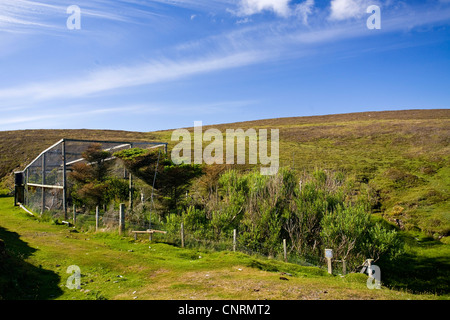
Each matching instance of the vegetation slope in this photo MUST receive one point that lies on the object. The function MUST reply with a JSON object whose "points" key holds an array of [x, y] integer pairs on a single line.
{"points": [[401, 156]]}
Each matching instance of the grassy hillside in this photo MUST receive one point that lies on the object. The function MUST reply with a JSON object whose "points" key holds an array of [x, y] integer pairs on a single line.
{"points": [[402, 157], [36, 255]]}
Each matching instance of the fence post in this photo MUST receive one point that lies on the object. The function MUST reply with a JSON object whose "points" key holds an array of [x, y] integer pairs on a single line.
{"points": [[96, 218], [74, 215], [234, 239], [344, 267], [121, 218], [329, 256], [182, 235], [284, 249]]}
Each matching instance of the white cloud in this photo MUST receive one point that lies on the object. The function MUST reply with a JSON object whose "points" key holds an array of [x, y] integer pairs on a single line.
{"points": [[304, 9], [346, 9], [279, 7], [250, 7]]}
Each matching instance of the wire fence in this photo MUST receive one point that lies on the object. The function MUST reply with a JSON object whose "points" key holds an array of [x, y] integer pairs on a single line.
{"points": [[231, 241], [126, 221]]}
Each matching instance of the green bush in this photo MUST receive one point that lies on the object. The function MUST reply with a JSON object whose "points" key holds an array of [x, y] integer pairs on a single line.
{"points": [[317, 211], [5, 193], [353, 236]]}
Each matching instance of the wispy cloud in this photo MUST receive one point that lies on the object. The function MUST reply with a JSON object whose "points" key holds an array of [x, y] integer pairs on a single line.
{"points": [[107, 79], [79, 113], [27, 16], [243, 47], [61, 115], [20, 15]]}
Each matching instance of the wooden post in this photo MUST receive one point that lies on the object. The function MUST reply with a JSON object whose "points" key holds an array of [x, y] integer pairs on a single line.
{"points": [[74, 215], [344, 267], [182, 235], [96, 218], [329, 256], [285, 251], [121, 218], [330, 270], [234, 239]]}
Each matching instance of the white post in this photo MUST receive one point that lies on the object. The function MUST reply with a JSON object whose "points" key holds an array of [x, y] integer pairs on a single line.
{"points": [[329, 256], [96, 218], [182, 235], [121, 218], [234, 239]]}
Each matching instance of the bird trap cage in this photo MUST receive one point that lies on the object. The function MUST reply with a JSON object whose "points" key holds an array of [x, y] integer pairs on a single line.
{"points": [[44, 185]]}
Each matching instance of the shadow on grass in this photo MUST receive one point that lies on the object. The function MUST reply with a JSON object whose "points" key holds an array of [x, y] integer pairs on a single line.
{"points": [[20, 280], [418, 273]]}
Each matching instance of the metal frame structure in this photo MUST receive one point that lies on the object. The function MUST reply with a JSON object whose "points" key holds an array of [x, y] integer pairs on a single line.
{"points": [[48, 171]]}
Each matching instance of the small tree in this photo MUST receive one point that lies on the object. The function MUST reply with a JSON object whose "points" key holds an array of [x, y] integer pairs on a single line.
{"points": [[172, 181], [355, 237], [92, 184]]}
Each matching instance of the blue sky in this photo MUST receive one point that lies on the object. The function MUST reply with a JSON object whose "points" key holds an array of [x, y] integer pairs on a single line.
{"points": [[150, 65]]}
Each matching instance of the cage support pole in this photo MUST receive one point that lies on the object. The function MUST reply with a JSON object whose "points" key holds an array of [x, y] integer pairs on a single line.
{"points": [[43, 182], [64, 179], [130, 178], [27, 195], [121, 218], [130, 187]]}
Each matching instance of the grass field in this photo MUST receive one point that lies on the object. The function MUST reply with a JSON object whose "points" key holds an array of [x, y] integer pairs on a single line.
{"points": [[120, 268]]}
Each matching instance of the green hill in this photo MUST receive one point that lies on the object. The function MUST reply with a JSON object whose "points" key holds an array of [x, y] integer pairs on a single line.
{"points": [[402, 156]]}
